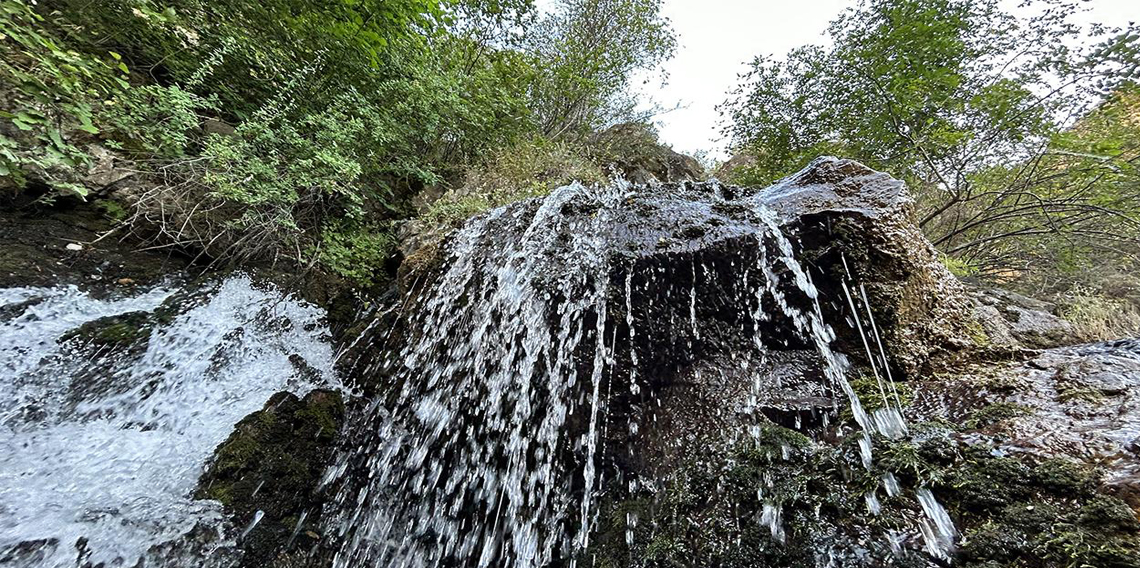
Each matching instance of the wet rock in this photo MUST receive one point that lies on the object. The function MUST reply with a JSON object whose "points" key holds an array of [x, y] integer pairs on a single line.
{"points": [[27, 554], [109, 344], [696, 409], [34, 254], [1013, 320], [204, 543], [851, 223], [120, 331], [855, 223], [690, 256], [266, 475], [11, 311], [1127, 489], [1080, 403], [710, 310], [1007, 511]]}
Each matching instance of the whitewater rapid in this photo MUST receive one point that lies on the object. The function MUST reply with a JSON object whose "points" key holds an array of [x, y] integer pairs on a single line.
{"points": [[100, 452]]}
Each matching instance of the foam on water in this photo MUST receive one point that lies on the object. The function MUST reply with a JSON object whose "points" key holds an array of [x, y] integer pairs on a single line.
{"points": [[114, 460]]}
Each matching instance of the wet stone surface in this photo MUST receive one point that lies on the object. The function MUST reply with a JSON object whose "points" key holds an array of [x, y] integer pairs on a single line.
{"points": [[1080, 402], [267, 474]]}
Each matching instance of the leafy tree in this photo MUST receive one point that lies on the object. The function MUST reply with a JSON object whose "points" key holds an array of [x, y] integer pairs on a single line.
{"points": [[969, 104], [298, 129], [245, 52], [588, 51]]}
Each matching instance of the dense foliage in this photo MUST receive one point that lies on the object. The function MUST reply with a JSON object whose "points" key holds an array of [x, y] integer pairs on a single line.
{"points": [[1018, 134], [298, 129]]}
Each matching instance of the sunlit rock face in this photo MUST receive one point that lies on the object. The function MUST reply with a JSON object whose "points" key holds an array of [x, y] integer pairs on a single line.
{"points": [[600, 337]]}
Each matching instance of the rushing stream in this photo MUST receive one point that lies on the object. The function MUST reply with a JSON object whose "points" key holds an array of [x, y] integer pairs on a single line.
{"points": [[100, 452]]}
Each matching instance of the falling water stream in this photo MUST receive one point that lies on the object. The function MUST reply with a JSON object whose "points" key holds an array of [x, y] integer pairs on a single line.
{"points": [[98, 462], [487, 454]]}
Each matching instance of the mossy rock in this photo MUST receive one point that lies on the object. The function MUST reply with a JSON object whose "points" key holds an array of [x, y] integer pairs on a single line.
{"points": [[272, 463], [116, 332], [996, 413], [1010, 511], [712, 510]]}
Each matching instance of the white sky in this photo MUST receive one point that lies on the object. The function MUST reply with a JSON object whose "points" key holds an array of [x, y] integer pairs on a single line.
{"points": [[718, 37]]}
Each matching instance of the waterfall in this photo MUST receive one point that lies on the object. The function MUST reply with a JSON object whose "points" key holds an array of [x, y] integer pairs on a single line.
{"points": [[100, 451], [484, 447], [488, 381], [511, 389]]}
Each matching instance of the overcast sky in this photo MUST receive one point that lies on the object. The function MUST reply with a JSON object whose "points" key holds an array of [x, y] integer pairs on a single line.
{"points": [[717, 37]]}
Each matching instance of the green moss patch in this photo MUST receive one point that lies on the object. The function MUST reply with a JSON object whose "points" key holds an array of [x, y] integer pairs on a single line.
{"points": [[272, 463], [1009, 511], [121, 331]]}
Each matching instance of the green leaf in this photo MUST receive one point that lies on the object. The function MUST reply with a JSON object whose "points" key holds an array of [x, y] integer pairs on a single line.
{"points": [[53, 133], [71, 188]]}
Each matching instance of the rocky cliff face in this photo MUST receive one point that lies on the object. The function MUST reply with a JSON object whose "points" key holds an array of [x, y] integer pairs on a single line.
{"points": [[718, 432]]}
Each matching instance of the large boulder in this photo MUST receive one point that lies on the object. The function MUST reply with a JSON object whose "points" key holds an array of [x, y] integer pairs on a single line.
{"points": [[632, 330], [855, 225], [686, 266]]}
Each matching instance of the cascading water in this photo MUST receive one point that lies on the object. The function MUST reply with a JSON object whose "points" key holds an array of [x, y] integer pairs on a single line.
{"points": [[549, 319], [100, 451], [469, 462]]}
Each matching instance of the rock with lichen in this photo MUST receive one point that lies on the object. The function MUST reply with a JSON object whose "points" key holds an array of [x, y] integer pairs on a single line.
{"points": [[1012, 320]]}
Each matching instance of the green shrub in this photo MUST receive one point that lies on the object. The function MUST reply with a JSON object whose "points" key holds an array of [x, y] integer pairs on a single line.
{"points": [[959, 267], [1099, 317], [155, 122], [52, 93], [357, 253]]}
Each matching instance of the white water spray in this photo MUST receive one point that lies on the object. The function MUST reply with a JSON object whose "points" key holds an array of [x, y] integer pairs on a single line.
{"points": [[109, 456]]}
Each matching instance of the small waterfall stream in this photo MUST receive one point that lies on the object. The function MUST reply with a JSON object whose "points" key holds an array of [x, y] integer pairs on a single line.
{"points": [[100, 451], [487, 451]]}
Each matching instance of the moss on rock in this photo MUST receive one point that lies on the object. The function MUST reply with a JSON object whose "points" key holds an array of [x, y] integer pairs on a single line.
{"points": [[996, 413], [1010, 511], [119, 331], [272, 464], [715, 511]]}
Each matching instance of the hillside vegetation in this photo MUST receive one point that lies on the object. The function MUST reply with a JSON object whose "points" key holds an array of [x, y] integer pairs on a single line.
{"points": [[298, 130]]}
